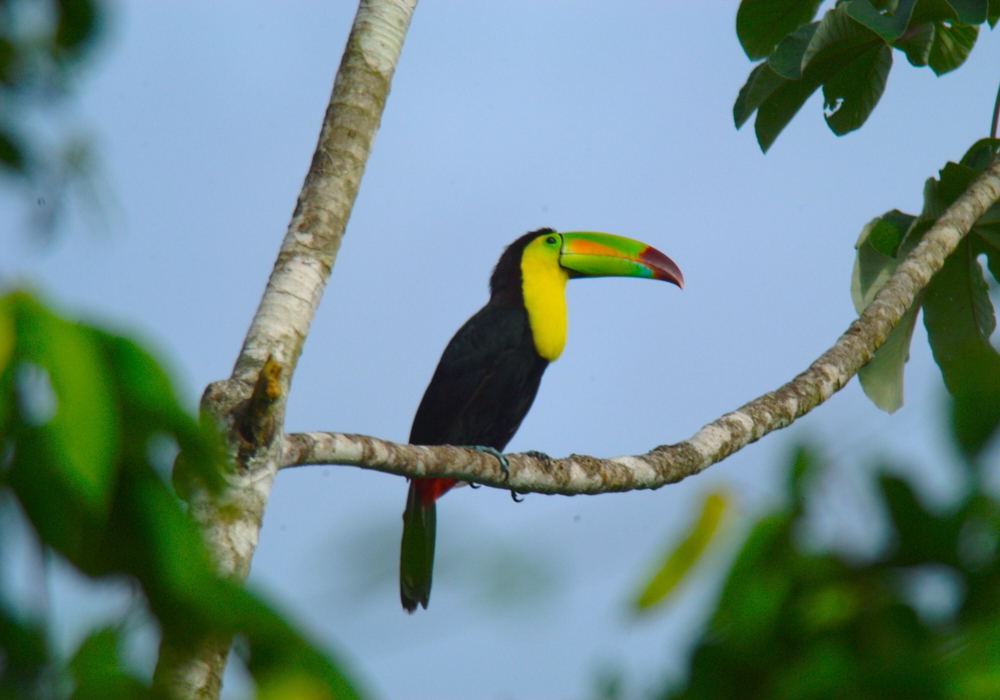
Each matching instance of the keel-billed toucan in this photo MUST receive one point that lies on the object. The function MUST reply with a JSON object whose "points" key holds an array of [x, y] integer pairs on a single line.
{"points": [[489, 373]]}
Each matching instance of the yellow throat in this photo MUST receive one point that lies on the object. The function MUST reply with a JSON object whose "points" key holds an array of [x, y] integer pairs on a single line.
{"points": [[543, 284]]}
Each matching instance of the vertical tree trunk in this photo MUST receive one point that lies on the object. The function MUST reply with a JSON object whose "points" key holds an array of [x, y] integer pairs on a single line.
{"points": [[250, 406]]}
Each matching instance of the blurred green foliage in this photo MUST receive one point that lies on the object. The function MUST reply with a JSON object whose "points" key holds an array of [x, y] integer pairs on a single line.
{"points": [[810, 625], [43, 46], [80, 413], [848, 51]]}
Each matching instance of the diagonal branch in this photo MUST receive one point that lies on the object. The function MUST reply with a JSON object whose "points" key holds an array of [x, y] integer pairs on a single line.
{"points": [[578, 474]]}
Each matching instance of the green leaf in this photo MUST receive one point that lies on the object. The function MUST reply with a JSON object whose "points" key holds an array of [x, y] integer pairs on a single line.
{"points": [[7, 56], [8, 335], [78, 445], [993, 13], [24, 649], [990, 236], [758, 585], [8, 398], [11, 152], [878, 247], [980, 153], [921, 536], [942, 11], [951, 46], [804, 465], [98, 672], [882, 378], [959, 318], [974, 674], [778, 109], [829, 607], [786, 60], [990, 246], [837, 42], [889, 6], [917, 45], [871, 271], [150, 403], [887, 235], [876, 259], [954, 180], [685, 555], [78, 23], [784, 64], [761, 83], [854, 63], [839, 39], [851, 95], [761, 24], [970, 11], [889, 26]]}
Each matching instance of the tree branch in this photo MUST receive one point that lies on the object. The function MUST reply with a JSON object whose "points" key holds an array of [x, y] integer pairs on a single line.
{"points": [[666, 464], [252, 421]]}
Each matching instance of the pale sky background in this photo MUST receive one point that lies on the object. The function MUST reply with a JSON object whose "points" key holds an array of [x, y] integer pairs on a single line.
{"points": [[503, 117]]}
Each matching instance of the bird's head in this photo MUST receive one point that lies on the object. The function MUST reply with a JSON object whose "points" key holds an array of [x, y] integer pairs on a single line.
{"points": [[581, 254]]}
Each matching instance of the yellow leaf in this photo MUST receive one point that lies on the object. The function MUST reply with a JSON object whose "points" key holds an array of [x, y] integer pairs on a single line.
{"points": [[292, 685], [684, 556]]}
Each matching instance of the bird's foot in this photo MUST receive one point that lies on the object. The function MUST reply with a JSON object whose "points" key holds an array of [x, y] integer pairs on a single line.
{"points": [[504, 464], [519, 498]]}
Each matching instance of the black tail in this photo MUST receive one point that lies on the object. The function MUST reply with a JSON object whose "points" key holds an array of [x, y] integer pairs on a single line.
{"points": [[416, 556]]}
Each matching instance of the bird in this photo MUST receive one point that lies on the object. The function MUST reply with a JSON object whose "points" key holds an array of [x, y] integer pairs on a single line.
{"points": [[489, 373]]}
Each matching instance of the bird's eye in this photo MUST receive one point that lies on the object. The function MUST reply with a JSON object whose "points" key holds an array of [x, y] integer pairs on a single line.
{"points": [[550, 239]]}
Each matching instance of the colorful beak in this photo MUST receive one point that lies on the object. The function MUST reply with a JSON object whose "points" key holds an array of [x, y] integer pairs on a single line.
{"points": [[588, 254]]}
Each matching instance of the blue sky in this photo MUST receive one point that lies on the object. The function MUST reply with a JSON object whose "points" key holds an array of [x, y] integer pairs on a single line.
{"points": [[503, 117]]}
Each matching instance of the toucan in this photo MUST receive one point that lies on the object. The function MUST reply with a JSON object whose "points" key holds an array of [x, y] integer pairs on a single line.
{"points": [[489, 373]]}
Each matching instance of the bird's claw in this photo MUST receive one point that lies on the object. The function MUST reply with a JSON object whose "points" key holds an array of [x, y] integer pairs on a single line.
{"points": [[538, 455], [504, 464], [513, 495]]}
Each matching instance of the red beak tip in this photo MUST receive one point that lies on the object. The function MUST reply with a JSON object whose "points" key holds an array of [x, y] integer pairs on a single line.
{"points": [[665, 268]]}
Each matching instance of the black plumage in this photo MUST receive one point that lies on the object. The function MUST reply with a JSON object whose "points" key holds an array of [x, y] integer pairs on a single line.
{"points": [[489, 373], [485, 383], [483, 386]]}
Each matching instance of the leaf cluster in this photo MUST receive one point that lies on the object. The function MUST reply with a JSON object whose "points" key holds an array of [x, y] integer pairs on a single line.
{"points": [[958, 313], [848, 52], [84, 415], [795, 624]]}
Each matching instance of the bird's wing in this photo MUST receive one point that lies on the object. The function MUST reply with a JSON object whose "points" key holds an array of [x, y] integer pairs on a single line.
{"points": [[490, 343]]}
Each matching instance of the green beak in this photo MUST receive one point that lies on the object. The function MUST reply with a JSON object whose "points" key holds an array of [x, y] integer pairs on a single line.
{"points": [[587, 254]]}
